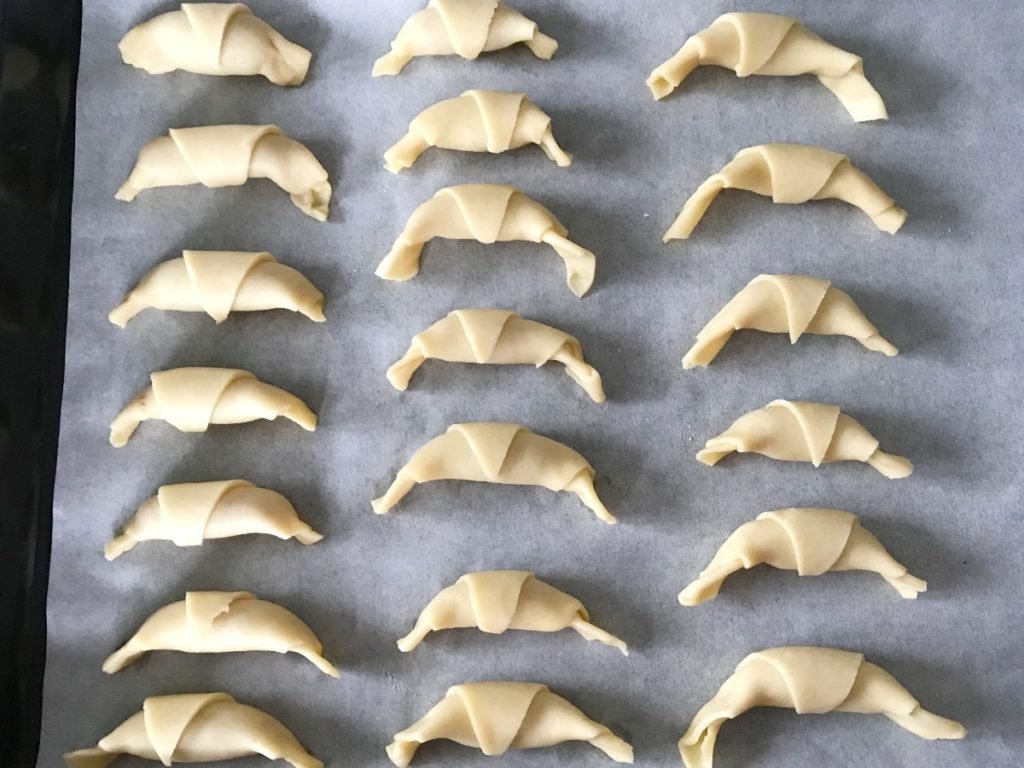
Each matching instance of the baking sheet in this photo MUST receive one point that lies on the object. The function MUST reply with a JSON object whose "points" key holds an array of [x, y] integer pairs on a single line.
{"points": [[945, 290]]}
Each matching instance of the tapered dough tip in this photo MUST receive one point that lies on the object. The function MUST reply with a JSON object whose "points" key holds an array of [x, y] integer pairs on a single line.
{"points": [[380, 506], [301, 414], [890, 220], [308, 536], [710, 457], [891, 466], [401, 752], [315, 312], [320, 662], [126, 193], [89, 758], [542, 46], [390, 64], [121, 314]]}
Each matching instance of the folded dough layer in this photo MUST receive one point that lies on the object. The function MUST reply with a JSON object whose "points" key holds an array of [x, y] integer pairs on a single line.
{"points": [[496, 337], [810, 681], [190, 513], [487, 213], [492, 452], [790, 304], [810, 541], [464, 28], [798, 431], [477, 121], [221, 282], [195, 728], [191, 399], [791, 174], [496, 601], [214, 39], [495, 717], [767, 44], [227, 156], [221, 622]]}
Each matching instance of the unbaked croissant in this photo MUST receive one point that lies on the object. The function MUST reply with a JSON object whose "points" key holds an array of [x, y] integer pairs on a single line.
{"points": [[808, 541], [495, 601], [214, 39], [497, 337], [477, 121], [790, 304], [499, 716], [465, 28], [221, 622], [221, 282], [811, 681], [791, 173], [190, 513], [491, 452], [195, 728], [796, 431], [191, 399], [767, 44], [228, 156], [487, 213]]}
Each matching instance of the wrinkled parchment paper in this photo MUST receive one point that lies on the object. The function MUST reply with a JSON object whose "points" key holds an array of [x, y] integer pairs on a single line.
{"points": [[946, 290]]}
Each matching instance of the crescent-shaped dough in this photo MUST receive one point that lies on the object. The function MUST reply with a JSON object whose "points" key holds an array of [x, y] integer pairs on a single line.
{"points": [[811, 681], [221, 622], [190, 513], [790, 304], [487, 213], [496, 337], [221, 282], [791, 174], [789, 430], [195, 728], [477, 121], [464, 28], [492, 452], [495, 601], [228, 156], [767, 44], [214, 39], [499, 716], [806, 540], [191, 399]]}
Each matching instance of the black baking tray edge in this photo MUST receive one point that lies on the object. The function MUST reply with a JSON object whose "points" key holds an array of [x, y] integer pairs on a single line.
{"points": [[39, 43]]}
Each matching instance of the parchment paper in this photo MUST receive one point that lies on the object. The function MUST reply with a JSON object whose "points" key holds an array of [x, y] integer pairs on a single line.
{"points": [[946, 290]]}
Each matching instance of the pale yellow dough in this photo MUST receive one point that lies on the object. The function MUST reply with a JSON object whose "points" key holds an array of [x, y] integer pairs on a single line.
{"points": [[767, 44], [791, 174], [464, 28], [790, 304], [809, 541], [812, 681], [195, 728], [190, 513], [797, 431], [499, 716], [221, 622], [495, 601], [496, 337], [221, 282], [491, 452], [487, 213], [477, 121], [228, 156], [191, 399], [214, 39]]}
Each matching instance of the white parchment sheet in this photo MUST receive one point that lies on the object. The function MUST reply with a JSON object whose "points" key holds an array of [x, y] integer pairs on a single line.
{"points": [[946, 290]]}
